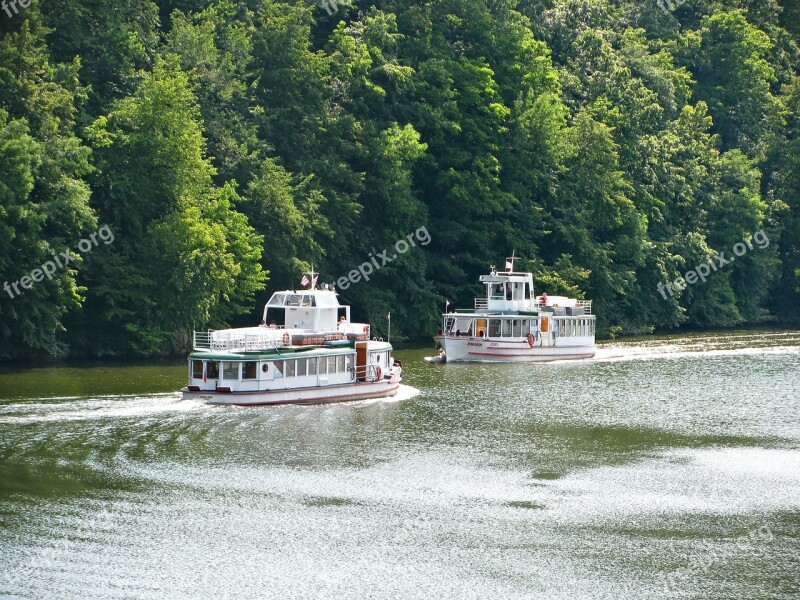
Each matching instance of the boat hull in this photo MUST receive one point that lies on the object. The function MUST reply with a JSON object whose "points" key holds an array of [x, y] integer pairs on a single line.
{"points": [[468, 349], [316, 395]]}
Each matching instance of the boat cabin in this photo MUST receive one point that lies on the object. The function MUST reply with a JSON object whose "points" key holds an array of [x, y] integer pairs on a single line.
{"points": [[289, 368]]}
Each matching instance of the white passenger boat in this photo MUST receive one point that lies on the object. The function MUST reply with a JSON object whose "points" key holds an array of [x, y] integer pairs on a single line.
{"points": [[511, 324], [315, 355]]}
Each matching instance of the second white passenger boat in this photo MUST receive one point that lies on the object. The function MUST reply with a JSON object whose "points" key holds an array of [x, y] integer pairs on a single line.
{"points": [[316, 355], [511, 324]]}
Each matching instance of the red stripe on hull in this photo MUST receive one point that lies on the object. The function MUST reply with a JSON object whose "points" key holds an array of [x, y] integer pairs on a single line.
{"points": [[323, 400], [534, 355]]}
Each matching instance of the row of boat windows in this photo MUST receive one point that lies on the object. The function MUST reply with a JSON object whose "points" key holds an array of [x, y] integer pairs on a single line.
{"points": [[516, 327], [574, 327], [293, 300], [496, 327], [294, 367]]}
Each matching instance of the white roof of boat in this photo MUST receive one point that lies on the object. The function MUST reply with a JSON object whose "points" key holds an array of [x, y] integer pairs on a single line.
{"points": [[322, 298]]}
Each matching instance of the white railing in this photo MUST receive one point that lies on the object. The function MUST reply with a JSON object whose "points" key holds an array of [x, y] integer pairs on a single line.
{"points": [[220, 341], [585, 304]]}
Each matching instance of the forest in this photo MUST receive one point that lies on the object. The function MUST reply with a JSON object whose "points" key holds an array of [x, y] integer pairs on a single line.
{"points": [[165, 166]]}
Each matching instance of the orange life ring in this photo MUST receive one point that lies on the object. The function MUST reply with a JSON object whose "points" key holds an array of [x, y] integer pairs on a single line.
{"points": [[286, 339], [378, 373]]}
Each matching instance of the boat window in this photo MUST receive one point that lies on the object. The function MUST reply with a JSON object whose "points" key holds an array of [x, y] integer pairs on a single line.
{"points": [[309, 300], [526, 326], [230, 370], [331, 364], [197, 369], [277, 299], [506, 327], [464, 326], [294, 300], [494, 327], [498, 293], [312, 366], [340, 366], [250, 370], [289, 372], [516, 330], [301, 367], [213, 370]]}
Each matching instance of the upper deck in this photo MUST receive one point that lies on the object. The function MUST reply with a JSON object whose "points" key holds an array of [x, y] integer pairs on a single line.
{"points": [[307, 317], [511, 291]]}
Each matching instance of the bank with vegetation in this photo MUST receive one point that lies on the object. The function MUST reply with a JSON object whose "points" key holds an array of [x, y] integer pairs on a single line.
{"points": [[614, 144]]}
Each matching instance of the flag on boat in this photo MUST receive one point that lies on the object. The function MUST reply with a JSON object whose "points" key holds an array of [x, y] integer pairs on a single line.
{"points": [[509, 265], [304, 281]]}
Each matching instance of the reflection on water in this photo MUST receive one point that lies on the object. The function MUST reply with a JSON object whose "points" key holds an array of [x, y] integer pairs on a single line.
{"points": [[590, 479]]}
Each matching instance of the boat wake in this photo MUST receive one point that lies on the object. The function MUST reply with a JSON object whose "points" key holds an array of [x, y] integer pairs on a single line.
{"points": [[743, 344], [77, 408], [404, 392]]}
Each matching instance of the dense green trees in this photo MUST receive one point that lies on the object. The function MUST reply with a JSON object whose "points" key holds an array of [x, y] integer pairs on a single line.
{"points": [[612, 144]]}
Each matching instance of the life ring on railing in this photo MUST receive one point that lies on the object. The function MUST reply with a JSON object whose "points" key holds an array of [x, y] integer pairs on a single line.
{"points": [[286, 339], [531, 339], [378, 373]]}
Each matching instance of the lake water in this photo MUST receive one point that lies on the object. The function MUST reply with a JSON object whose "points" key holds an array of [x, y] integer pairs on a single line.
{"points": [[664, 467]]}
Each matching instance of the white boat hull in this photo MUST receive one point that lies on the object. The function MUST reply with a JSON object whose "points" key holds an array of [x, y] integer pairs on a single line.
{"points": [[469, 349], [312, 395]]}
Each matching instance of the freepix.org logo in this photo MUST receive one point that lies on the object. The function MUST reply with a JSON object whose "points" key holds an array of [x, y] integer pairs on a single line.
{"points": [[9, 5], [702, 271], [381, 259], [60, 260]]}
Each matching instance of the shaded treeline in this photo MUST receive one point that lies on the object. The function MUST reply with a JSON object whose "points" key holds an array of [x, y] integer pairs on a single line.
{"points": [[228, 144]]}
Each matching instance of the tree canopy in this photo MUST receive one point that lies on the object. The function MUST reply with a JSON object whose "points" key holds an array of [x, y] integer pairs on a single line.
{"points": [[229, 144]]}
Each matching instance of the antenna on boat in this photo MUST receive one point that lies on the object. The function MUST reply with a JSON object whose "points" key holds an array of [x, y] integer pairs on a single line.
{"points": [[510, 261]]}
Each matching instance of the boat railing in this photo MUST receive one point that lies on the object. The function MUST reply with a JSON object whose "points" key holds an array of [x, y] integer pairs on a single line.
{"points": [[585, 304], [221, 341]]}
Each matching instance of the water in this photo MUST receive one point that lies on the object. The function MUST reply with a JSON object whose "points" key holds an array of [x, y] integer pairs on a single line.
{"points": [[665, 467]]}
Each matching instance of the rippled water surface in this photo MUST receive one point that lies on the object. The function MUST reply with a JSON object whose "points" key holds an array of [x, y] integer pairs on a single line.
{"points": [[664, 467]]}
